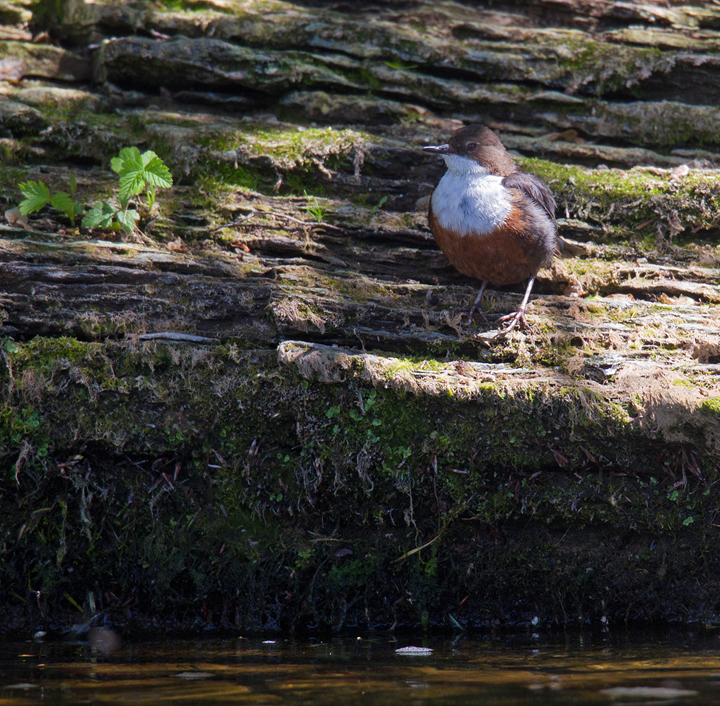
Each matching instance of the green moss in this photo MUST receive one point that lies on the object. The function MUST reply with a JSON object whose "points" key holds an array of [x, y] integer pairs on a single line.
{"points": [[610, 68], [711, 406], [242, 176], [257, 155], [630, 205], [285, 143], [611, 185]]}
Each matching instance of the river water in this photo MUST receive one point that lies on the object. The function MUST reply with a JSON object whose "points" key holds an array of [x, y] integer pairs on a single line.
{"points": [[602, 668]]}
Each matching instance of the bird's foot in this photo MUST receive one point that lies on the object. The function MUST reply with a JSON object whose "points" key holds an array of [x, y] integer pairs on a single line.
{"points": [[476, 310], [476, 307], [517, 317], [472, 312]]}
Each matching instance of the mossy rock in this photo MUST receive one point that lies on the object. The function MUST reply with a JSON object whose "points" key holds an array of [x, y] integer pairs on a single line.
{"points": [[200, 484], [267, 410]]}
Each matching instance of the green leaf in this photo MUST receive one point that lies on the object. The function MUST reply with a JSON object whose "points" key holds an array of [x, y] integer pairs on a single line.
{"points": [[130, 153], [156, 172], [136, 174], [93, 217], [138, 171], [131, 184], [128, 219], [62, 202], [99, 216], [36, 196], [73, 184], [128, 159], [65, 203]]}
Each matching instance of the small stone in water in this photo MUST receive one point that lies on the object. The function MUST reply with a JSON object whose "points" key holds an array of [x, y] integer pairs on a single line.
{"points": [[24, 685], [647, 692]]}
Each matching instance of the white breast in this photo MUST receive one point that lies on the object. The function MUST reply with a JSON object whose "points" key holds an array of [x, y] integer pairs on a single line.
{"points": [[468, 199]]}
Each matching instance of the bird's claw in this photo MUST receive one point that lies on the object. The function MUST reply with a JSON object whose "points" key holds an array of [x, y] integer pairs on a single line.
{"points": [[475, 310], [514, 318], [471, 312]]}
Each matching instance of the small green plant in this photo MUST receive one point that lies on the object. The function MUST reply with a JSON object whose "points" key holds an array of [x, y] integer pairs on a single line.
{"points": [[138, 173], [37, 196], [378, 205], [315, 208]]}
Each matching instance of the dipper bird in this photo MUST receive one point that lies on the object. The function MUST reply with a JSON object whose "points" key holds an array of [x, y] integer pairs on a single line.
{"points": [[493, 220]]}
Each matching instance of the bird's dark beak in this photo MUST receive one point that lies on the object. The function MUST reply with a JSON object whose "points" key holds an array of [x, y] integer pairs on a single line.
{"points": [[437, 149]]}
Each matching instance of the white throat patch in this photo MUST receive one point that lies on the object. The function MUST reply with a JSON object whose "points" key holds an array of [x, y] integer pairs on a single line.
{"points": [[469, 200]]}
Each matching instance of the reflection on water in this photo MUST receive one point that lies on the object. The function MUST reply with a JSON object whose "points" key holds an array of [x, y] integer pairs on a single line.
{"points": [[601, 669]]}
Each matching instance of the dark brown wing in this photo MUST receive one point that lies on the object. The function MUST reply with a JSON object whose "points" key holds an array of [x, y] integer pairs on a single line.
{"points": [[533, 187]]}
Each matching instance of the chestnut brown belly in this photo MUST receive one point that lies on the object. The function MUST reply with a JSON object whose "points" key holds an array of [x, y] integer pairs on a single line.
{"points": [[505, 256]]}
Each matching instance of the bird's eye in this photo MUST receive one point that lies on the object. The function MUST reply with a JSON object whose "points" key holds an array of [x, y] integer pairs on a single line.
{"points": [[470, 146]]}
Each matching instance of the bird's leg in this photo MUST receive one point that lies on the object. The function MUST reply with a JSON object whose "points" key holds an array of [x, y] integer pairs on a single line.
{"points": [[475, 308], [518, 315]]}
